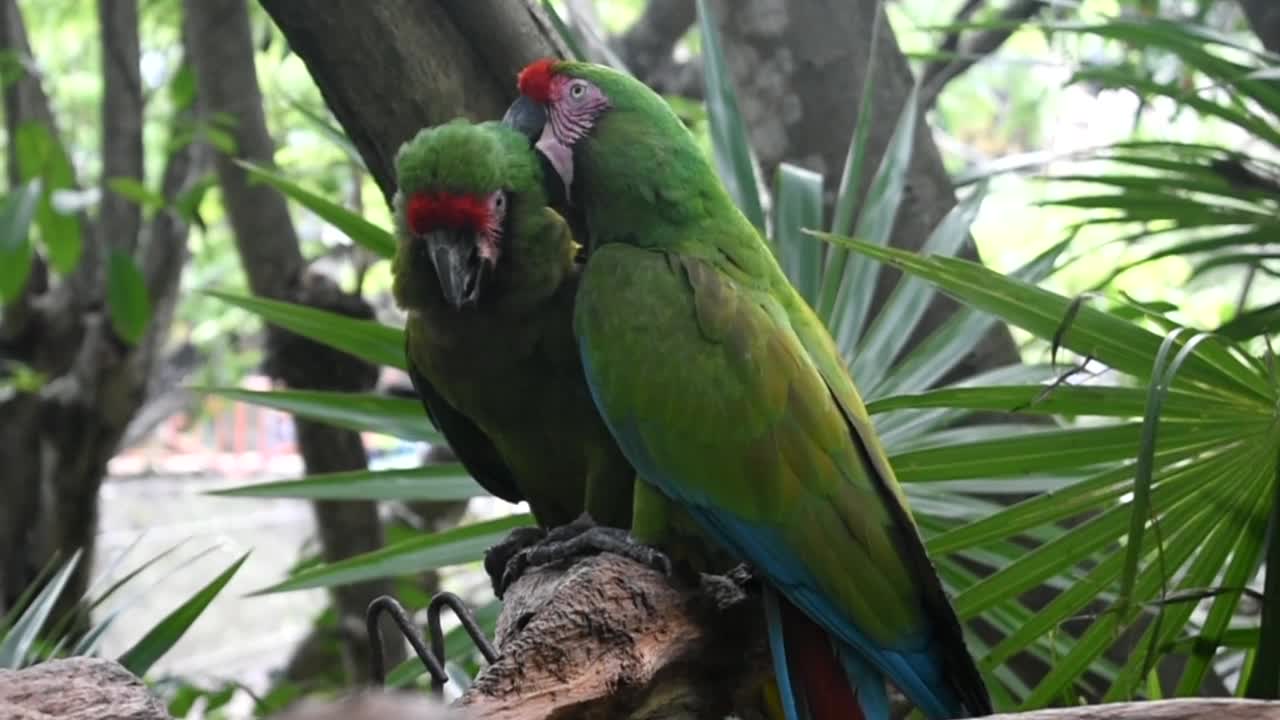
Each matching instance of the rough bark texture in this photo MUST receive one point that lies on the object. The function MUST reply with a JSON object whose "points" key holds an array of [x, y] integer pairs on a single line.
{"points": [[420, 63], [1264, 18], [799, 68], [97, 689], [221, 47], [54, 444], [76, 689], [608, 638]]}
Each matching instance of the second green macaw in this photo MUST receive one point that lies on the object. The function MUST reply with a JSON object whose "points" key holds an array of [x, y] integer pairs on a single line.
{"points": [[727, 393], [486, 272]]}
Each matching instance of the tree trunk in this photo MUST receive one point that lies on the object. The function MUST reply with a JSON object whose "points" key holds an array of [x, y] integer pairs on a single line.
{"points": [[800, 69], [55, 443], [221, 46], [1264, 19], [390, 68]]}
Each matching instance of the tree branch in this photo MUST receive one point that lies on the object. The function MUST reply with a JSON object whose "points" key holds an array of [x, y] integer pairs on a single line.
{"points": [[609, 638], [1264, 18], [222, 56], [799, 69], [420, 64], [939, 72], [120, 219], [647, 45], [24, 102]]}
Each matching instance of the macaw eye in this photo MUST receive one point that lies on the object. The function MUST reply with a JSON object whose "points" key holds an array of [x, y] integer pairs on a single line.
{"points": [[577, 90], [498, 203]]}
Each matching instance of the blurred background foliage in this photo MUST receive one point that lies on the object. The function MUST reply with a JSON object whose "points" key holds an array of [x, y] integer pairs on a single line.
{"points": [[1121, 156]]}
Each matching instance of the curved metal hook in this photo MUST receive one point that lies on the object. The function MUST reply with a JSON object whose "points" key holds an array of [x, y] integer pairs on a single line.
{"points": [[469, 625], [377, 664]]}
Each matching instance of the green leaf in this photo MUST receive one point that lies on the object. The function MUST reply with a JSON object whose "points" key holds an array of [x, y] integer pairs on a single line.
{"points": [[127, 297], [958, 335], [16, 212], [888, 333], [361, 231], [182, 87], [1123, 345], [133, 189], [21, 636], [366, 339], [15, 266], [1045, 451], [1252, 323], [40, 156], [1076, 400], [415, 555], [875, 226], [161, 638], [187, 205], [729, 142], [797, 205], [1162, 374], [849, 194], [1264, 675], [432, 482], [363, 412]]}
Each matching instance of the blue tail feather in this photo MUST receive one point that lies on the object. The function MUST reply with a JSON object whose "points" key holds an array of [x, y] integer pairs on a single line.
{"points": [[778, 649]]}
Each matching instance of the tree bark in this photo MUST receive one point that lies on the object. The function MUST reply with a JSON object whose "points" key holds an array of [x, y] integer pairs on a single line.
{"points": [[1264, 18], [608, 638], [55, 443], [221, 46], [420, 64], [799, 69]]}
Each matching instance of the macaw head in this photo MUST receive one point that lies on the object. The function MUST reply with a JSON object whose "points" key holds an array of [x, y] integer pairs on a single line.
{"points": [[623, 157], [572, 109], [457, 183]]}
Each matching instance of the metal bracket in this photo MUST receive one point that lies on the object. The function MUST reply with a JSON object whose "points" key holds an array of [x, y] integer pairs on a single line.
{"points": [[433, 659]]}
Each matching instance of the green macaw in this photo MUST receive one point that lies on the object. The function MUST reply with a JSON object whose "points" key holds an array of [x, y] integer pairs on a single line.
{"points": [[730, 398], [486, 271]]}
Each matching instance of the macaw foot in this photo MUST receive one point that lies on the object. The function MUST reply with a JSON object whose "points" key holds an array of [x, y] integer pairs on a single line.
{"points": [[499, 556], [580, 537], [724, 592]]}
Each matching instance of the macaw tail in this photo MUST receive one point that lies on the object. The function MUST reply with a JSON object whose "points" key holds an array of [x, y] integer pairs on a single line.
{"points": [[813, 680]]}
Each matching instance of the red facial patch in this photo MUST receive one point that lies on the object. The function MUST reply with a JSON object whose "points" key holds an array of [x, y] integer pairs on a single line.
{"points": [[428, 211], [534, 80]]}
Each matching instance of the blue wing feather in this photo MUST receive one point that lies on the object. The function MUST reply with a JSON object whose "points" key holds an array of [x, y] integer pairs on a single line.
{"points": [[911, 666]]}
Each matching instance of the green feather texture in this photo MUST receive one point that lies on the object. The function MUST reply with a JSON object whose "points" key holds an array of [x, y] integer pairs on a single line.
{"points": [[728, 393], [495, 376], [464, 157]]}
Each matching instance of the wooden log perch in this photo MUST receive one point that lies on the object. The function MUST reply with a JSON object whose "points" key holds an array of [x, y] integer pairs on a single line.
{"points": [[76, 689], [610, 638], [605, 638]]}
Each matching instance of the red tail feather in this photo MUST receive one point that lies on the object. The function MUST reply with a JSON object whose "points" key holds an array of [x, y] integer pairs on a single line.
{"points": [[815, 669]]}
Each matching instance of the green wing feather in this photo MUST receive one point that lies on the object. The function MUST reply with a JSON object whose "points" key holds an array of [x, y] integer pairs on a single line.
{"points": [[474, 449]]}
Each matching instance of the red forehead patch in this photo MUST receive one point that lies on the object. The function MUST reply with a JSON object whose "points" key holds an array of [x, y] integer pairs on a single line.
{"points": [[534, 80], [428, 211]]}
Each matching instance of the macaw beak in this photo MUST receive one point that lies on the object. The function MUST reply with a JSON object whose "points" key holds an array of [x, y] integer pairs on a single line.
{"points": [[530, 118], [526, 116], [456, 257]]}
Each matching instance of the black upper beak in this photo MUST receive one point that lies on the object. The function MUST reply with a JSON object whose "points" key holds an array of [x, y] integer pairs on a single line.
{"points": [[458, 264], [526, 116]]}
